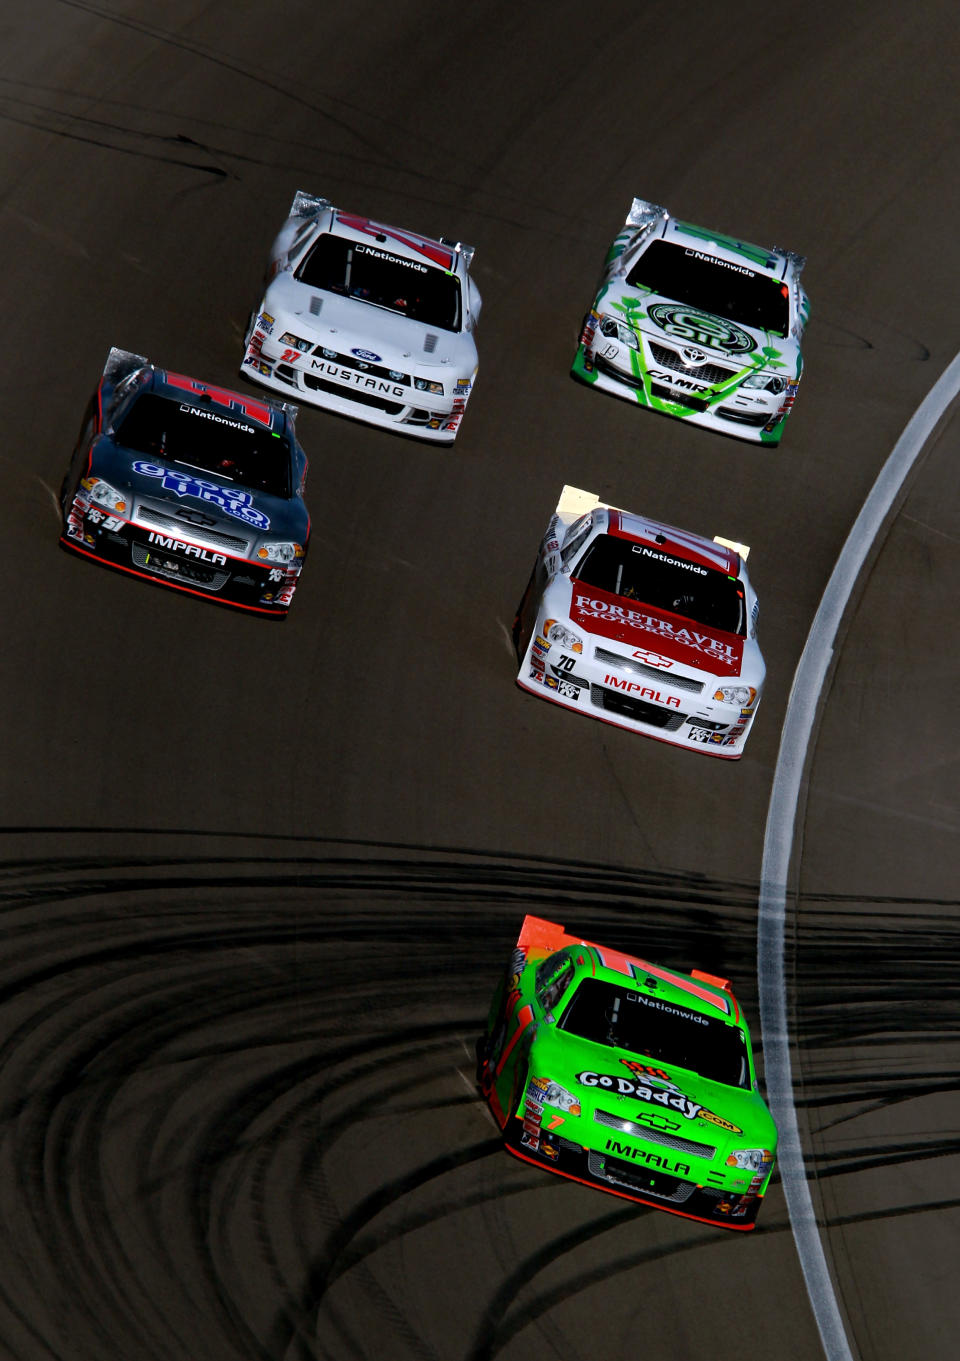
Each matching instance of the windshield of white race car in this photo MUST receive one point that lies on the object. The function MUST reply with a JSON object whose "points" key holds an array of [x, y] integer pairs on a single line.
{"points": [[638, 571], [606, 1013], [217, 442], [373, 274], [711, 284]]}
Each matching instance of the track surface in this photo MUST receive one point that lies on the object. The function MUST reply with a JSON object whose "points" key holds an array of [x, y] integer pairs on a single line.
{"points": [[258, 881]]}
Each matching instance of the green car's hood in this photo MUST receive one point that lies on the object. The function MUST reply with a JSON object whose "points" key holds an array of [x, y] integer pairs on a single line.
{"points": [[643, 1093]]}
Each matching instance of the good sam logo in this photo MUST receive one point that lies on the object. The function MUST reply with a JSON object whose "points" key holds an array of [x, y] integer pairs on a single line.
{"points": [[700, 328]]}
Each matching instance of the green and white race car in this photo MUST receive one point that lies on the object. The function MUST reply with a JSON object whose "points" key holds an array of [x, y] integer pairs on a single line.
{"points": [[697, 325], [627, 1076]]}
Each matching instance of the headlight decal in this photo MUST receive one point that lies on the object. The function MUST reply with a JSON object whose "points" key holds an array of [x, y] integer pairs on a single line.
{"points": [[740, 695], [552, 1094], [280, 552], [104, 495], [559, 633]]}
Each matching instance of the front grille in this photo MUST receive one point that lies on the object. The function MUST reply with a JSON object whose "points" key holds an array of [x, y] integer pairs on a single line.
{"points": [[655, 1136], [350, 395], [754, 418], [179, 569], [667, 394], [348, 361], [627, 706], [643, 669], [705, 373], [644, 1181], [708, 723], [146, 515]]}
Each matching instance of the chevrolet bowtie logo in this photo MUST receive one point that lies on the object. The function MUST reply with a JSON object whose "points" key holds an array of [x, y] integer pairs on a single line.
{"points": [[195, 517]]}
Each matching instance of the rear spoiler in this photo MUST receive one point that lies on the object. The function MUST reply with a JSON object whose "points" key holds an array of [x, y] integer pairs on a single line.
{"points": [[540, 938]]}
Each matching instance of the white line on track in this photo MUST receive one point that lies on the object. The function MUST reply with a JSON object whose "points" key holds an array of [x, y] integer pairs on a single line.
{"points": [[798, 726]]}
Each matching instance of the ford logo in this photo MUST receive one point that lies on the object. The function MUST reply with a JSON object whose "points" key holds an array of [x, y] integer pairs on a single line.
{"points": [[367, 354]]}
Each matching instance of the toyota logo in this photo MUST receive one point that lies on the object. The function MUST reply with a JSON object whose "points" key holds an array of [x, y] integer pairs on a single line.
{"points": [[693, 357]]}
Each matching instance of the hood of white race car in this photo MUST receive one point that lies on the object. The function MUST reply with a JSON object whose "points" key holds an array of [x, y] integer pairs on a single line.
{"points": [[352, 326], [667, 641], [687, 328]]}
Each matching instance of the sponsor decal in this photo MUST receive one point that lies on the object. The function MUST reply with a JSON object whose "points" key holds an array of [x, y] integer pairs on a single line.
{"points": [[590, 323], [725, 264], [644, 1070], [637, 1155], [718, 1120], [391, 259], [463, 386], [189, 550], [677, 382], [532, 1115], [603, 614], [431, 249], [568, 689], [711, 739], [356, 378], [234, 502], [645, 691], [766, 259], [220, 420], [651, 658], [368, 355], [265, 321], [655, 1004], [538, 676], [254, 411], [541, 643], [640, 1091], [701, 328]]}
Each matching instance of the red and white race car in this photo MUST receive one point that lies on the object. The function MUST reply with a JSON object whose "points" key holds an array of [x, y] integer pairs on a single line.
{"points": [[642, 625], [367, 320]]}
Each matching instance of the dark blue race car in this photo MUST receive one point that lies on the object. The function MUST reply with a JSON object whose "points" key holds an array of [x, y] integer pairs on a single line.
{"points": [[189, 485]]}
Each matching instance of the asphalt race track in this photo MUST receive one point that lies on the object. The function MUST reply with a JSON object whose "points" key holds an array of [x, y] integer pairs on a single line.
{"points": [[258, 880]]}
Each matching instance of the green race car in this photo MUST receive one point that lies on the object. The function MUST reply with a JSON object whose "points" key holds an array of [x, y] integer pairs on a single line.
{"points": [[627, 1076], [697, 325]]}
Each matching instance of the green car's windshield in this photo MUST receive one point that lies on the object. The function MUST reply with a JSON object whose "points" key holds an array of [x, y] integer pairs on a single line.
{"points": [[608, 1013], [685, 274]]}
